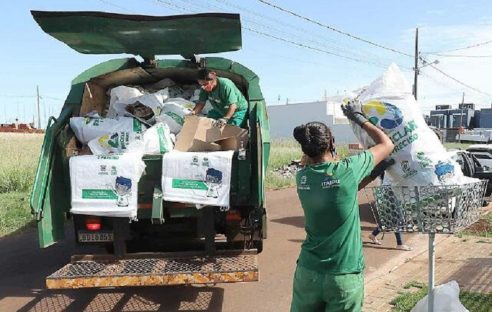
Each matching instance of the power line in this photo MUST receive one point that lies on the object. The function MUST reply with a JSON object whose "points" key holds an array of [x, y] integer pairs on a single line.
{"points": [[299, 44], [334, 29], [460, 82], [460, 49], [465, 56]]}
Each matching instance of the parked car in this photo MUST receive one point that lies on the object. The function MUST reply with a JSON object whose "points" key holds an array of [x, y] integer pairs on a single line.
{"points": [[471, 167], [483, 152]]}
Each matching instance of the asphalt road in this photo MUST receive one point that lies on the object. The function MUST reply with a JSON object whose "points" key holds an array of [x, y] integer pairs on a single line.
{"points": [[23, 267]]}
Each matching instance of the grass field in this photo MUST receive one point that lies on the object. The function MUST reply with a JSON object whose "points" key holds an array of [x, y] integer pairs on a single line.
{"points": [[414, 291], [18, 160]]}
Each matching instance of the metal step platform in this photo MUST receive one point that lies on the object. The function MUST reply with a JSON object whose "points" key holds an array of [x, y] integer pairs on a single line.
{"points": [[155, 270]]}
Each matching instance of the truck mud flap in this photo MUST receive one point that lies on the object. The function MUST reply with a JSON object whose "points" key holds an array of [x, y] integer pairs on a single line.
{"points": [[155, 269]]}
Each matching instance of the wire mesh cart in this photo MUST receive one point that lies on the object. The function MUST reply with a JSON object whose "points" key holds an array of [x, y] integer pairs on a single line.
{"points": [[431, 210]]}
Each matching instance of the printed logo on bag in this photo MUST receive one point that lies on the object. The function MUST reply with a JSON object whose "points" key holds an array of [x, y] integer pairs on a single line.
{"points": [[444, 171], [423, 160], [103, 170], [213, 179], [195, 161], [113, 170], [123, 189], [329, 182], [407, 170], [205, 162], [303, 184], [382, 114], [96, 122]]}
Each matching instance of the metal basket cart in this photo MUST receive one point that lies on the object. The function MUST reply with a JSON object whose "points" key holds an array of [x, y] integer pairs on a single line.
{"points": [[430, 210]]}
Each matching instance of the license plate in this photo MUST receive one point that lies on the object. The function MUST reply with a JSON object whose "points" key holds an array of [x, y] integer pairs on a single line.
{"points": [[97, 237]]}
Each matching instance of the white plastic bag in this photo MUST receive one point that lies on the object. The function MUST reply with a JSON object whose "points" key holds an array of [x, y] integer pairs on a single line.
{"points": [[87, 128], [173, 113], [446, 299], [197, 178], [105, 185], [420, 158], [158, 140], [120, 97]]}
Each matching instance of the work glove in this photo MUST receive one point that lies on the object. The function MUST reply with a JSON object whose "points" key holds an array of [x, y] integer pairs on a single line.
{"points": [[219, 123], [381, 167], [352, 110]]}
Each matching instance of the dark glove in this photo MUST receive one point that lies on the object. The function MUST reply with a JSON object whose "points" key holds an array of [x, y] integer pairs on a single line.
{"points": [[219, 123], [381, 167], [352, 110]]}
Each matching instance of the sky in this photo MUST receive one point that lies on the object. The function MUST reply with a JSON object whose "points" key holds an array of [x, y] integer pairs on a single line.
{"points": [[288, 72]]}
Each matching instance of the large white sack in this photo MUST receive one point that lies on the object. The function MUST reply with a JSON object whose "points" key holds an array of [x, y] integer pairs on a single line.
{"points": [[420, 158], [119, 98], [88, 128], [105, 185], [197, 178], [115, 143], [122, 96], [173, 113], [158, 140], [446, 299]]}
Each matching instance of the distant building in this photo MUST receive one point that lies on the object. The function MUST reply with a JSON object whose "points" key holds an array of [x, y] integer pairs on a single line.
{"points": [[444, 116], [284, 118]]}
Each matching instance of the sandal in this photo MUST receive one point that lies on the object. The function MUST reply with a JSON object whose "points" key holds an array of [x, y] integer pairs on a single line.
{"points": [[403, 247], [374, 239]]}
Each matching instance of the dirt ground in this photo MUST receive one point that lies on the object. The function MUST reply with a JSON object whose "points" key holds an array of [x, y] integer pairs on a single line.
{"points": [[23, 267]]}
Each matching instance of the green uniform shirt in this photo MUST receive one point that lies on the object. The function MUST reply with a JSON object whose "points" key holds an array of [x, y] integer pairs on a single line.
{"points": [[224, 94], [328, 195]]}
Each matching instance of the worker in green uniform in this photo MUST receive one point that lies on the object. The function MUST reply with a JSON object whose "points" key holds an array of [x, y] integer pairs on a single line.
{"points": [[229, 104], [329, 273]]}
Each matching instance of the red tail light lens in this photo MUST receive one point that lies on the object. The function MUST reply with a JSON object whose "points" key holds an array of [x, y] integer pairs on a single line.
{"points": [[93, 223], [233, 216]]}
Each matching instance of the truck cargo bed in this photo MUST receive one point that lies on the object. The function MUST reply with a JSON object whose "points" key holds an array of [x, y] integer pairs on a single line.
{"points": [[155, 269]]}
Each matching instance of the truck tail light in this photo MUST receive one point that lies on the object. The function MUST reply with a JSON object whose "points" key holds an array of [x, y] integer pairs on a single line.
{"points": [[93, 223], [233, 216]]}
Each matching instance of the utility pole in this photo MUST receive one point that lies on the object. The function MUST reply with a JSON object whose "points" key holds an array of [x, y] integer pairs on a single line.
{"points": [[416, 68], [39, 113]]}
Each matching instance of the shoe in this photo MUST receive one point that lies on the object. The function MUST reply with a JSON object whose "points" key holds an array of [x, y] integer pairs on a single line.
{"points": [[374, 239], [403, 247]]}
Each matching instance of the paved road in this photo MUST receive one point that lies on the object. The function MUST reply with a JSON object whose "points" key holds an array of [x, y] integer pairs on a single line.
{"points": [[23, 267]]}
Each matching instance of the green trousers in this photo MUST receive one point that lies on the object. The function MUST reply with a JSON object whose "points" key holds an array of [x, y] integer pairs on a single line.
{"points": [[313, 292], [238, 119]]}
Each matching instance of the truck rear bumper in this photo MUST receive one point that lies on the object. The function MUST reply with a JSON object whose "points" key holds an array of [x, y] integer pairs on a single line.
{"points": [[155, 269]]}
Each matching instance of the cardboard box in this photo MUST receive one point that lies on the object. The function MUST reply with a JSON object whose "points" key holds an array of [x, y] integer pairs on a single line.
{"points": [[199, 135]]}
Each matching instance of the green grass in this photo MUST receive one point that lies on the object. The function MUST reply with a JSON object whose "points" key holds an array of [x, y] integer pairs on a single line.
{"points": [[282, 152], [414, 291], [482, 228], [18, 161], [15, 213]]}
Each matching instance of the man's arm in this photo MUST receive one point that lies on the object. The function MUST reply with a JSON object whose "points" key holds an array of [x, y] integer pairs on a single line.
{"points": [[198, 108], [230, 112]]}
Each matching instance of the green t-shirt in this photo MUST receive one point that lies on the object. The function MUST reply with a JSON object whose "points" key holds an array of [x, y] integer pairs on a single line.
{"points": [[328, 195], [224, 94]]}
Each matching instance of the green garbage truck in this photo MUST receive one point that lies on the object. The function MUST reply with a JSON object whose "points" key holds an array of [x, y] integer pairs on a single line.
{"points": [[170, 243]]}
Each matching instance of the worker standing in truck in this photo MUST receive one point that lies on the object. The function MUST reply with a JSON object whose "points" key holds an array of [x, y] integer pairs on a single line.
{"points": [[329, 274], [229, 104]]}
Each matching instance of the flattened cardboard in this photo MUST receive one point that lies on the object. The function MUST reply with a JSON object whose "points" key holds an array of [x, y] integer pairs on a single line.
{"points": [[199, 134]]}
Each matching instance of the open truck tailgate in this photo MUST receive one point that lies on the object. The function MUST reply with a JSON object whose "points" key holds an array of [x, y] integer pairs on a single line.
{"points": [[155, 269]]}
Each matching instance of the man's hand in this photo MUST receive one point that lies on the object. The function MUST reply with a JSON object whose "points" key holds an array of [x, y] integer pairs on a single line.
{"points": [[219, 123], [352, 110]]}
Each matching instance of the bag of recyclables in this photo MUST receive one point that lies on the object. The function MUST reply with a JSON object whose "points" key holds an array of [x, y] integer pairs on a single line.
{"points": [[446, 299], [90, 128], [197, 178], [105, 185], [173, 113], [122, 96], [158, 140], [420, 158]]}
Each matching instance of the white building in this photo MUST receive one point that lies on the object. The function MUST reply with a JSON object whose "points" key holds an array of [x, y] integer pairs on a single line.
{"points": [[284, 118]]}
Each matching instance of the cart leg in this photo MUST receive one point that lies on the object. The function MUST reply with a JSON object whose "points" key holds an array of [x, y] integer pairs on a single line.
{"points": [[432, 264]]}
